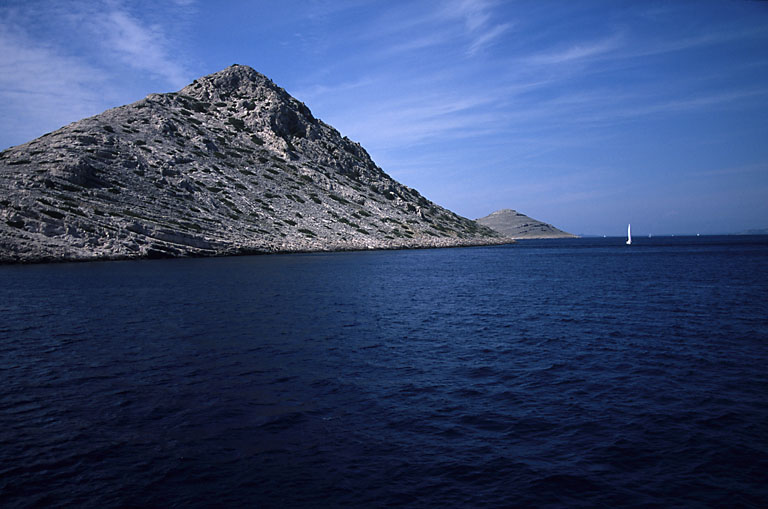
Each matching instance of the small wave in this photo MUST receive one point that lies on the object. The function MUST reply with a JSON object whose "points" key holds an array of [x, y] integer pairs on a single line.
{"points": [[487, 422], [284, 421]]}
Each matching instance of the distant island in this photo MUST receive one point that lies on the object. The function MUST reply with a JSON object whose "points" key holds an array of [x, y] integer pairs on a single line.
{"points": [[513, 224], [230, 164], [754, 231]]}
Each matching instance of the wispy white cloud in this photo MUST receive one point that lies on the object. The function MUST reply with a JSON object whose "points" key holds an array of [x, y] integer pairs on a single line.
{"points": [[487, 37], [730, 171], [60, 63], [316, 92], [42, 88], [420, 42], [576, 52], [684, 43], [401, 123], [474, 12], [478, 20], [639, 106], [467, 23], [141, 46]]}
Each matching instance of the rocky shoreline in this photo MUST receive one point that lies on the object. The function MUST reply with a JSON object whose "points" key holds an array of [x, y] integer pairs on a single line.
{"points": [[245, 251]]}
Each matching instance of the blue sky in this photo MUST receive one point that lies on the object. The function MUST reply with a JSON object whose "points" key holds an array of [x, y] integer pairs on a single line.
{"points": [[587, 114]]}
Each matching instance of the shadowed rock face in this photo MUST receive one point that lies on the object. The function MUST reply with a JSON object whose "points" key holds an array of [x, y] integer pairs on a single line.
{"points": [[230, 164], [511, 223]]}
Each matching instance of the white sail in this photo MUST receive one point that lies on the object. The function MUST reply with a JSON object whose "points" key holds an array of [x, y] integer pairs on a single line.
{"points": [[629, 234]]}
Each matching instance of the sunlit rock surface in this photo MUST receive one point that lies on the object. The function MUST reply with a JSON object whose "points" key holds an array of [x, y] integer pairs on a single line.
{"points": [[230, 164]]}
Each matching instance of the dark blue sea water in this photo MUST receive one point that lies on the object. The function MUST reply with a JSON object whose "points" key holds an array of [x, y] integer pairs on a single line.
{"points": [[548, 373]]}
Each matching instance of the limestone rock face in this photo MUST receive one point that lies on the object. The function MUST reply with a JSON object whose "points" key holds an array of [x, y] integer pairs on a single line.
{"points": [[231, 164], [511, 223]]}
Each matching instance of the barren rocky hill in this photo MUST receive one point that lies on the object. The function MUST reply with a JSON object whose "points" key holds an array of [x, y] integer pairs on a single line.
{"points": [[230, 164], [511, 223]]}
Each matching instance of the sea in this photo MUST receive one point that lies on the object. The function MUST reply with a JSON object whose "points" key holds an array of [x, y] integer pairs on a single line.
{"points": [[546, 373]]}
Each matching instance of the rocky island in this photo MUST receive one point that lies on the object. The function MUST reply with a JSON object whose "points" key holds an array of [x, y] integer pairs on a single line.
{"points": [[516, 225], [230, 164]]}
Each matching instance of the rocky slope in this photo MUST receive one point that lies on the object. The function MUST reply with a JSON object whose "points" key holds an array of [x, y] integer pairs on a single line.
{"points": [[230, 164], [513, 224]]}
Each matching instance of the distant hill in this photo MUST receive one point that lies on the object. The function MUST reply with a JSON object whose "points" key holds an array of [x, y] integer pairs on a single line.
{"points": [[758, 231], [230, 164], [513, 224]]}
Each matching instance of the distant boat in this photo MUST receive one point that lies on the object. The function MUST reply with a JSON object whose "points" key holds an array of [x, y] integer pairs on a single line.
{"points": [[629, 234]]}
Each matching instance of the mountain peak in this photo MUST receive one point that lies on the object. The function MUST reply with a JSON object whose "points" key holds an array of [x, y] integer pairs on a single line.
{"points": [[236, 79], [514, 224], [253, 98], [235, 76]]}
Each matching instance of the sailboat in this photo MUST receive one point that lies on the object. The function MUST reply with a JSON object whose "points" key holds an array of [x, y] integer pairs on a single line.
{"points": [[629, 234]]}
